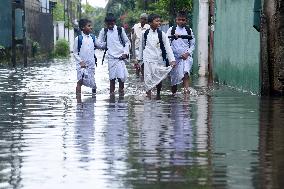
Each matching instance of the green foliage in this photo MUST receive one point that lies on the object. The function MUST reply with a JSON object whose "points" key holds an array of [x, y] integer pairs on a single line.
{"points": [[58, 12], [96, 15], [167, 9], [62, 48], [35, 48]]}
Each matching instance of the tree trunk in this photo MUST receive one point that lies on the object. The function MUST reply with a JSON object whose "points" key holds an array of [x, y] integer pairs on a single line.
{"points": [[272, 39]]}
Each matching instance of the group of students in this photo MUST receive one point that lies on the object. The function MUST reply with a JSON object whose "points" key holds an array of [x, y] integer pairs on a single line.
{"points": [[157, 53]]}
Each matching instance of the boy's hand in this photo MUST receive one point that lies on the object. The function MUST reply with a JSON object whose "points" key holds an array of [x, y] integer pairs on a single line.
{"points": [[82, 64], [185, 56], [173, 64]]}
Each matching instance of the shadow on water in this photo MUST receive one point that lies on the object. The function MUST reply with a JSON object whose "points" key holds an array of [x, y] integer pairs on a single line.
{"points": [[219, 138]]}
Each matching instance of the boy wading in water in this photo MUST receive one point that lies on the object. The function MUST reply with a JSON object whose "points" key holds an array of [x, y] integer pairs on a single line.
{"points": [[84, 53], [155, 50], [182, 43], [117, 46]]}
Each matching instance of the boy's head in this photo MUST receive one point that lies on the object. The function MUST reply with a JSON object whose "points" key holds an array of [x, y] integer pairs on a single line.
{"points": [[154, 21], [85, 26], [110, 21], [181, 18]]}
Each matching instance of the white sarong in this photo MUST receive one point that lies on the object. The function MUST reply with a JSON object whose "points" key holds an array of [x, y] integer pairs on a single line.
{"points": [[117, 69], [182, 67], [154, 73], [88, 77]]}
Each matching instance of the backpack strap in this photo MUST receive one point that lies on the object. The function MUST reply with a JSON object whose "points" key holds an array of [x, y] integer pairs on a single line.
{"points": [[188, 30], [145, 37], [162, 47], [80, 39], [119, 30], [173, 32], [105, 40]]}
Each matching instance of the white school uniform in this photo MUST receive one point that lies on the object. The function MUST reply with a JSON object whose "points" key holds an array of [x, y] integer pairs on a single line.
{"points": [[116, 67], [181, 46], [86, 54], [155, 69]]}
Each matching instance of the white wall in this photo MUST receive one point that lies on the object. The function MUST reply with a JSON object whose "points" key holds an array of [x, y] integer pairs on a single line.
{"points": [[59, 33]]}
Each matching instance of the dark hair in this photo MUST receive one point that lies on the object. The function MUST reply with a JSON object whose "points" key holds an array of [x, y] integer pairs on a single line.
{"points": [[83, 22], [152, 17], [182, 14], [110, 17]]}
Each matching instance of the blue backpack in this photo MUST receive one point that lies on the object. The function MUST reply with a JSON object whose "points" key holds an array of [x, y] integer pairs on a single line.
{"points": [[80, 40]]}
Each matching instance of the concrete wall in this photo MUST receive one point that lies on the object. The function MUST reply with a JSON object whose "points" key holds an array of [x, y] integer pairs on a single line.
{"points": [[236, 45]]}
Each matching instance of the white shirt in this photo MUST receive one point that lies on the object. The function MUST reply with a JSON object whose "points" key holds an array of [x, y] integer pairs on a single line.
{"points": [[115, 48], [152, 51], [87, 51], [181, 46], [138, 30]]}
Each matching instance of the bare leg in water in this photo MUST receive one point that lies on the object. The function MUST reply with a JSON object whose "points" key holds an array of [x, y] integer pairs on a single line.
{"points": [[112, 86]]}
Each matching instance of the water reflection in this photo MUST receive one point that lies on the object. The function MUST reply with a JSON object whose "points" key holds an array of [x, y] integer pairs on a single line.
{"points": [[12, 107], [217, 139], [163, 151], [85, 127], [271, 140]]}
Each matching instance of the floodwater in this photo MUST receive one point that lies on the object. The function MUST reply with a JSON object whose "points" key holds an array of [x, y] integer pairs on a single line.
{"points": [[220, 138]]}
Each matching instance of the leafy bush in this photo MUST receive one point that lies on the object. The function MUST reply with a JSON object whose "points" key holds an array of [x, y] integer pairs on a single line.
{"points": [[62, 48], [35, 48]]}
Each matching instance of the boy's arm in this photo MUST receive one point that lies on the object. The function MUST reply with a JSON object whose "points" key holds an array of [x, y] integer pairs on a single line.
{"points": [[100, 44], [75, 53], [168, 48], [101, 37], [126, 40]]}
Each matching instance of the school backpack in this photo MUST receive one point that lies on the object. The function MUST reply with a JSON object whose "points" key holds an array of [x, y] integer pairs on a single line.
{"points": [[162, 46], [189, 35], [119, 30], [80, 41]]}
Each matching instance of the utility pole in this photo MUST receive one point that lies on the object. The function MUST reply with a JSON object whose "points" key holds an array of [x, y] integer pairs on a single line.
{"points": [[80, 10], [68, 15], [24, 35], [64, 16], [211, 40], [13, 58]]}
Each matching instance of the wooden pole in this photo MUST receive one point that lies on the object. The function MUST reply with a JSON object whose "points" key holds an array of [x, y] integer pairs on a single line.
{"points": [[13, 58], [24, 36]]}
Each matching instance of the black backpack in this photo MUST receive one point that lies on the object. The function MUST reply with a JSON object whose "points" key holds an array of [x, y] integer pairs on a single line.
{"points": [[119, 30], [162, 46], [188, 37]]}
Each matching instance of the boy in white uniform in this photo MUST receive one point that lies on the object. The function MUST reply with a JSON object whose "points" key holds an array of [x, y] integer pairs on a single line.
{"points": [[84, 53], [182, 43], [117, 45], [155, 50]]}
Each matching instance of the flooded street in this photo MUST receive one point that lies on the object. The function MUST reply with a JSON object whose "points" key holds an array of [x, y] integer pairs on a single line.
{"points": [[220, 138]]}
